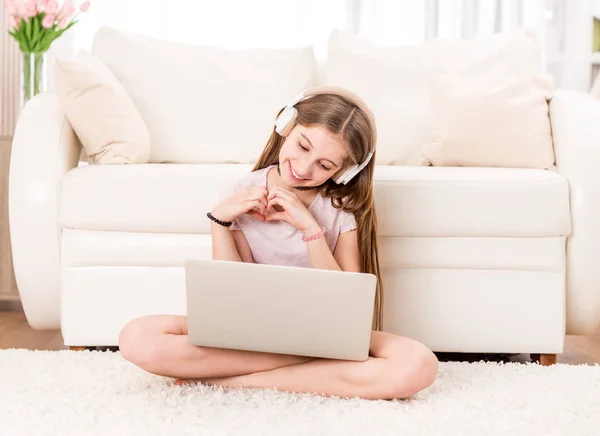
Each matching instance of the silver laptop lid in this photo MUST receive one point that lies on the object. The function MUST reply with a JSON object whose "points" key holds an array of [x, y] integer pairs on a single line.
{"points": [[280, 309]]}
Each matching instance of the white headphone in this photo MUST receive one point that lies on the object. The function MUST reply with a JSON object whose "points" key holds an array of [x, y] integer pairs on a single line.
{"points": [[287, 120]]}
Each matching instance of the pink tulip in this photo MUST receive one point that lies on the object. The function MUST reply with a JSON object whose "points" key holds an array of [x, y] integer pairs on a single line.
{"points": [[67, 10], [48, 21], [64, 22], [28, 9], [10, 6], [84, 6], [50, 7], [13, 21]]}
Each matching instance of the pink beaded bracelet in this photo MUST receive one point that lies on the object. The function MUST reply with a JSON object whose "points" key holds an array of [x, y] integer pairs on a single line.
{"points": [[315, 236]]}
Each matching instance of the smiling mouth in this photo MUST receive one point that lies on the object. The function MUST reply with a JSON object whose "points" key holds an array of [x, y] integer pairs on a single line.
{"points": [[294, 176]]}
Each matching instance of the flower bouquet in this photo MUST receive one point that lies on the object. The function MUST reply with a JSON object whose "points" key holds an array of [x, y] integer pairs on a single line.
{"points": [[35, 25]]}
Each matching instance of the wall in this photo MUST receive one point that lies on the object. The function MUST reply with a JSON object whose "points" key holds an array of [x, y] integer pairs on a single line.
{"points": [[576, 69], [10, 95], [9, 106], [8, 287]]}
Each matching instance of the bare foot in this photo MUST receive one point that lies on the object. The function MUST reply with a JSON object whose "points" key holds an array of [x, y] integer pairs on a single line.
{"points": [[186, 381], [216, 381], [242, 380], [230, 382]]}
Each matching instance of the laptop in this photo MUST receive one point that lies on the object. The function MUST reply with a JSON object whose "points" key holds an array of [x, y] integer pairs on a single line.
{"points": [[280, 309]]}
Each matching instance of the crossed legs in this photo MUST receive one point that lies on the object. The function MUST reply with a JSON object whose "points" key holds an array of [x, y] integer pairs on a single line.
{"points": [[398, 367]]}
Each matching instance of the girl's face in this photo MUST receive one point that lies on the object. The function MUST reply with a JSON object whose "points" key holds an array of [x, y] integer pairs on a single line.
{"points": [[310, 155]]}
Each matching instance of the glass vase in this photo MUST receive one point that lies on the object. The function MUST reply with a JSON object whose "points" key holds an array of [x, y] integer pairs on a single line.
{"points": [[34, 75]]}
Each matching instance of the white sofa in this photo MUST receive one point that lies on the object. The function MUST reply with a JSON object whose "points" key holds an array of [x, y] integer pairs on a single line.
{"points": [[473, 259]]}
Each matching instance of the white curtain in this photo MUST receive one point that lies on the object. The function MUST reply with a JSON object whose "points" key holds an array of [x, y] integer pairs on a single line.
{"points": [[413, 22], [229, 24], [284, 23], [560, 25]]}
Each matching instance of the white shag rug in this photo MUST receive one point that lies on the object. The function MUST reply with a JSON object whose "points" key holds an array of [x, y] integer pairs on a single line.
{"points": [[99, 393]]}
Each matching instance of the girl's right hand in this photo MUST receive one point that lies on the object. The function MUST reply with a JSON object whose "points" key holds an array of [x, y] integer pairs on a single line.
{"points": [[251, 200]]}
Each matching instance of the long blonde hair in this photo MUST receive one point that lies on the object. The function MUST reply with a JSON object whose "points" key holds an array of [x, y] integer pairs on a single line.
{"points": [[343, 118]]}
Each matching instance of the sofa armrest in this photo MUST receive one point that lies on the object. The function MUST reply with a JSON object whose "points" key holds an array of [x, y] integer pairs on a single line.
{"points": [[44, 149], [575, 119]]}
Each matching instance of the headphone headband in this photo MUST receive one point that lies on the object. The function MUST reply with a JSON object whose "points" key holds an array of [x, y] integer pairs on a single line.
{"points": [[287, 119]]}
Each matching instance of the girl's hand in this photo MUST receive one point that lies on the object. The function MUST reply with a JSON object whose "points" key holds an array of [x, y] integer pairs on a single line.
{"points": [[294, 211], [251, 200]]}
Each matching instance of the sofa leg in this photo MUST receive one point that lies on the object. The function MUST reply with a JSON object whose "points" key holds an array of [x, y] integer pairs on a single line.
{"points": [[544, 359], [548, 359]]}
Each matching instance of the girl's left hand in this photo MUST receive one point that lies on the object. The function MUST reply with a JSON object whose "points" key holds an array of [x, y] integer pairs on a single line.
{"points": [[294, 211]]}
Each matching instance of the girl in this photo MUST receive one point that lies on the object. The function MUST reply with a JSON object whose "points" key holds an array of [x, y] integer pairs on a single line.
{"points": [[308, 202]]}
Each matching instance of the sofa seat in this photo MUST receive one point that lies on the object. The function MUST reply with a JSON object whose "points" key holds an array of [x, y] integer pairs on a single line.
{"points": [[411, 201], [457, 245]]}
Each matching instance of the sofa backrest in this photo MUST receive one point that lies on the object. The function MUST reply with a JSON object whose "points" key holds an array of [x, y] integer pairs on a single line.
{"points": [[204, 104], [210, 105]]}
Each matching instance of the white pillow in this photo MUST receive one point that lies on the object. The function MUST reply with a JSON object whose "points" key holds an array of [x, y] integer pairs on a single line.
{"points": [[396, 81], [205, 104], [101, 113], [502, 124]]}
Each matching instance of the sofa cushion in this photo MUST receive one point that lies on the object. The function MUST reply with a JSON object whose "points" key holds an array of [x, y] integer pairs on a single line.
{"points": [[502, 124], [396, 80], [410, 201], [205, 104], [101, 113], [455, 201]]}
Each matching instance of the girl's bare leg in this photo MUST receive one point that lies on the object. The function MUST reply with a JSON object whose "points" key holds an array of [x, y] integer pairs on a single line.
{"points": [[399, 367], [159, 344]]}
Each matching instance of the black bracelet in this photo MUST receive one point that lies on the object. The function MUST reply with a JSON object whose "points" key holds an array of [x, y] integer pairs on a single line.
{"points": [[218, 221]]}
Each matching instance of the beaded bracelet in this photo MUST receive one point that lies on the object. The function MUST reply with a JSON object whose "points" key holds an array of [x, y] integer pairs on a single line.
{"points": [[315, 236], [218, 221]]}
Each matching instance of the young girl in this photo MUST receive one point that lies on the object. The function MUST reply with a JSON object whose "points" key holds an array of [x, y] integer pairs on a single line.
{"points": [[308, 202]]}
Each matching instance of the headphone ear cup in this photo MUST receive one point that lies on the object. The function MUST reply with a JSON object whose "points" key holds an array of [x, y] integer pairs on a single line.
{"points": [[347, 176], [286, 121], [290, 124]]}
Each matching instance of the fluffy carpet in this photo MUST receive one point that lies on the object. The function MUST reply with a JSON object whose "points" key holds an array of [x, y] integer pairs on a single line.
{"points": [[89, 393]]}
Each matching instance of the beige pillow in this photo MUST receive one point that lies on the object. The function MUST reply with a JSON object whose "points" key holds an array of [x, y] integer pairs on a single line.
{"points": [[396, 80], [490, 124], [101, 112]]}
